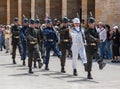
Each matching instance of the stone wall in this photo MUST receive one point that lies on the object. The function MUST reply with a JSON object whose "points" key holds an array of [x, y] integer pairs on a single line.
{"points": [[73, 7], [55, 9], [40, 9], [108, 11], [3, 11], [26, 8], [13, 9]]}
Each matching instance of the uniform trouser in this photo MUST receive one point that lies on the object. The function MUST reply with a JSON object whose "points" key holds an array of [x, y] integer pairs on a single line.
{"points": [[7, 44], [10, 45], [78, 50], [48, 47], [92, 51], [63, 57], [14, 49], [24, 47], [42, 50], [33, 52]]}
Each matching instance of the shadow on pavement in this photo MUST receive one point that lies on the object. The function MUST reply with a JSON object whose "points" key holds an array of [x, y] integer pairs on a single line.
{"points": [[83, 80], [5, 64], [24, 74]]}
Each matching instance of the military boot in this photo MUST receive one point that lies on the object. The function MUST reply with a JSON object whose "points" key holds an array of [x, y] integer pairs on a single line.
{"points": [[63, 70], [40, 64], [89, 76], [24, 63], [46, 67], [30, 70], [14, 62], [75, 72], [101, 65]]}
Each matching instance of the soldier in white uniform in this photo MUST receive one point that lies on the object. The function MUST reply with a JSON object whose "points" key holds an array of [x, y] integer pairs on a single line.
{"points": [[78, 42]]}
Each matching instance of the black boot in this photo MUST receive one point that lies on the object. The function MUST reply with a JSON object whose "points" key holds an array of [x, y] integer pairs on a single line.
{"points": [[46, 67], [63, 70], [14, 62], [101, 65], [75, 72], [35, 66], [40, 64], [89, 76], [30, 70], [24, 63]]}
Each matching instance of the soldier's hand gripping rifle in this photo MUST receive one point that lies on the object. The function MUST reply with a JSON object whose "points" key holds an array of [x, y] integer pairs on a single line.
{"points": [[93, 21]]}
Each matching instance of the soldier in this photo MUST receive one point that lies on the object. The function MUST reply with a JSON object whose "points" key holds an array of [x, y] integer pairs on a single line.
{"points": [[24, 39], [32, 44], [51, 40], [92, 39], [65, 42], [16, 41], [40, 40], [78, 42]]}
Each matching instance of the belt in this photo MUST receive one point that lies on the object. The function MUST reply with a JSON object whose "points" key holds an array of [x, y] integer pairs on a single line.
{"points": [[33, 42], [50, 40], [66, 40], [16, 36], [78, 44], [93, 44]]}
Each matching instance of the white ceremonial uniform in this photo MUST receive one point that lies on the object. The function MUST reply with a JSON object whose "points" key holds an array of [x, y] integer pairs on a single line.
{"points": [[78, 46]]}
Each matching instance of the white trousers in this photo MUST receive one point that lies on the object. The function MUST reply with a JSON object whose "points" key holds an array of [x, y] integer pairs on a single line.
{"points": [[78, 50], [7, 44]]}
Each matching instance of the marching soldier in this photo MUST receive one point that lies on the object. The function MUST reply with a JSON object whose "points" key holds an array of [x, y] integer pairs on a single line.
{"points": [[92, 39], [32, 44], [65, 42], [40, 40], [16, 41], [24, 39], [51, 41], [78, 42]]}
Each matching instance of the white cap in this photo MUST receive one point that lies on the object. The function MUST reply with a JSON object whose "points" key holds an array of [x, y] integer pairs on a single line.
{"points": [[115, 27], [76, 20]]}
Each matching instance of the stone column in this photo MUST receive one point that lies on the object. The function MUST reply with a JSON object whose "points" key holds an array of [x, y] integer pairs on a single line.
{"points": [[64, 8], [20, 11], [84, 9], [47, 8], [33, 9], [8, 11]]}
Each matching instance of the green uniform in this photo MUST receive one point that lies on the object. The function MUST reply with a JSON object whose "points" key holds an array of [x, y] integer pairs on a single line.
{"points": [[65, 43], [16, 41], [33, 50], [92, 39]]}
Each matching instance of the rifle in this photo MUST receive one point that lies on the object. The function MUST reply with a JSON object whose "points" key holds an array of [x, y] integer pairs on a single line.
{"points": [[37, 16], [24, 16], [83, 37]]}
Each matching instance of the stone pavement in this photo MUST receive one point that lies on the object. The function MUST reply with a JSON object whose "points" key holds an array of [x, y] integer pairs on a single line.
{"points": [[17, 77]]}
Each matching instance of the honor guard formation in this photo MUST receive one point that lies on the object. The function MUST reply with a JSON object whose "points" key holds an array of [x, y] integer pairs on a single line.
{"points": [[68, 39]]}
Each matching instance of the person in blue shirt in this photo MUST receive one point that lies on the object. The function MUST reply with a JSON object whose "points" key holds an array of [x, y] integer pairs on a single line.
{"points": [[51, 40], [23, 39]]}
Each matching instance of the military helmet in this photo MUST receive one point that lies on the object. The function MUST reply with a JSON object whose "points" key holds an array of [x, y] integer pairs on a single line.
{"points": [[48, 21], [25, 20], [91, 20], [65, 20], [15, 19], [31, 21], [37, 21]]}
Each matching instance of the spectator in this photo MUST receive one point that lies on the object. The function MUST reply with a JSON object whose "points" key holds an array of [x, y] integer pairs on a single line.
{"points": [[108, 42], [115, 45]]}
